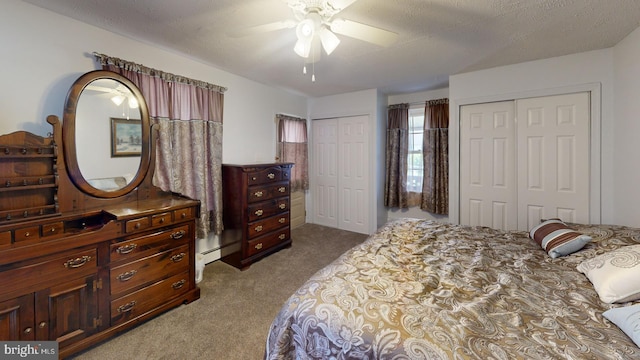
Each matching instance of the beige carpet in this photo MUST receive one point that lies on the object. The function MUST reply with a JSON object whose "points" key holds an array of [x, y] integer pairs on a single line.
{"points": [[232, 317]]}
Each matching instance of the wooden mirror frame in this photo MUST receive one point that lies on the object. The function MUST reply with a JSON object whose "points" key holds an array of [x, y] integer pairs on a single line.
{"points": [[69, 135]]}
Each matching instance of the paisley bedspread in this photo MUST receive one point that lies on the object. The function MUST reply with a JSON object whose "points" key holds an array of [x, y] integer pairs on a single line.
{"points": [[419, 289]]}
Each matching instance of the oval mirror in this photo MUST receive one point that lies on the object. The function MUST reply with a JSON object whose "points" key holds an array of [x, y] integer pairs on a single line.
{"points": [[106, 134]]}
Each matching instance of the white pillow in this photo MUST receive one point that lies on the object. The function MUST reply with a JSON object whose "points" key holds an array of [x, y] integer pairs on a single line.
{"points": [[615, 275], [627, 319]]}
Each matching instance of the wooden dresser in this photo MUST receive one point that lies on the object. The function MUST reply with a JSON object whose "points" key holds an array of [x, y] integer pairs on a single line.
{"points": [[256, 210], [80, 268]]}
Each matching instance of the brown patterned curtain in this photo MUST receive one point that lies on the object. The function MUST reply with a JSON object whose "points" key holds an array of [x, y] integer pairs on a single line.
{"points": [[188, 114], [435, 147], [395, 188], [293, 148]]}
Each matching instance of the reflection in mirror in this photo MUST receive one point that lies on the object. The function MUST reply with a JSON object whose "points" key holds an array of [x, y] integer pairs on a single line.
{"points": [[108, 134]]}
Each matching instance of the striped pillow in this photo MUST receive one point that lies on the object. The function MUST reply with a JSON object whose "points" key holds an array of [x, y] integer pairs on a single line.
{"points": [[557, 239]]}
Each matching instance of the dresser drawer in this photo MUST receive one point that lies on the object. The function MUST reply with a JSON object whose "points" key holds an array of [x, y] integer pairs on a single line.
{"points": [[128, 276], [137, 224], [269, 208], [266, 192], [5, 238], [146, 299], [27, 234], [263, 243], [52, 229], [262, 227], [268, 175], [183, 214], [161, 219], [149, 244], [50, 269]]}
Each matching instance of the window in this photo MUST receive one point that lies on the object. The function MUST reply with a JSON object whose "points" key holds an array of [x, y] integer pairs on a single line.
{"points": [[415, 164]]}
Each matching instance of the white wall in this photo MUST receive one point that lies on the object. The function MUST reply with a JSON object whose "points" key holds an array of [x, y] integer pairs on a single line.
{"points": [[417, 97], [589, 70], [626, 144], [43, 53]]}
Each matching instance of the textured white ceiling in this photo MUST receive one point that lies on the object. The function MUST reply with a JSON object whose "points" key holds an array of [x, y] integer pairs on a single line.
{"points": [[437, 38]]}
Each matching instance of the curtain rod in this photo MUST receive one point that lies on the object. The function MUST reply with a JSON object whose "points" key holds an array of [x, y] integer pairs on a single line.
{"points": [[130, 65], [424, 102]]}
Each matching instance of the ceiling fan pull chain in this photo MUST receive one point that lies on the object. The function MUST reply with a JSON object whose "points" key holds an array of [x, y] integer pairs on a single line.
{"points": [[313, 65]]}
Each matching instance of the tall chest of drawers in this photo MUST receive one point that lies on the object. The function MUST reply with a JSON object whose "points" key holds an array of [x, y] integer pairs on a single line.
{"points": [[256, 204]]}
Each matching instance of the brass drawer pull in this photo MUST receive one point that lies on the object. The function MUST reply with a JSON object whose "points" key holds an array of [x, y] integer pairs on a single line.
{"points": [[42, 325], [258, 246], [271, 176], [282, 189], [282, 220], [178, 284], [258, 228], [282, 236], [77, 262], [282, 206], [253, 178], [125, 249], [137, 226], [258, 194], [178, 235], [178, 257], [126, 276], [259, 212], [28, 330], [127, 307]]}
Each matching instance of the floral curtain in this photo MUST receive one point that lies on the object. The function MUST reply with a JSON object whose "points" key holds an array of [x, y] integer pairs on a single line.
{"points": [[188, 114], [435, 147], [293, 148], [395, 188]]}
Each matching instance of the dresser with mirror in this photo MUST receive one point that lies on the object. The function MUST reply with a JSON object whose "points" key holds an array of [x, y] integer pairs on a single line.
{"points": [[89, 247]]}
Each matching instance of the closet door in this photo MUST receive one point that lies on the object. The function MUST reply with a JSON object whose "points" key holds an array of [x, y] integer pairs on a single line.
{"points": [[325, 172], [525, 160], [341, 189], [488, 195], [353, 174], [553, 159]]}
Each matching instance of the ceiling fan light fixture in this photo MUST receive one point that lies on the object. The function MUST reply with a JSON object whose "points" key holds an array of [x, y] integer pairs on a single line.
{"points": [[133, 103], [306, 29], [329, 40], [118, 99], [302, 48]]}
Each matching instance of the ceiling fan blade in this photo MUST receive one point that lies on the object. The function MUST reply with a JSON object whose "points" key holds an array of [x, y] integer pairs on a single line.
{"points": [[341, 4], [278, 25], [363, 32]]}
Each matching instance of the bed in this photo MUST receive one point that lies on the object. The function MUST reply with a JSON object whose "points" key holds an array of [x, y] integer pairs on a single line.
{"points": [[419, 289]]}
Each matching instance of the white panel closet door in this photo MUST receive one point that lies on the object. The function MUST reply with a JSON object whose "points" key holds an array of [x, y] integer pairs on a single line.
{"points": [[525, 160], [325, 172], [553, 158], [353, 180], [341, 190], [488, 165]]}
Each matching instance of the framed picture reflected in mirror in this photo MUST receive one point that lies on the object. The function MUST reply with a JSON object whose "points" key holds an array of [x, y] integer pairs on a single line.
{"points": [[126, 137]]}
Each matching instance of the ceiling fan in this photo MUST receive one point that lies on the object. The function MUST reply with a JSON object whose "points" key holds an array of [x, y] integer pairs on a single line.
{"points": [[316, 26]]}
